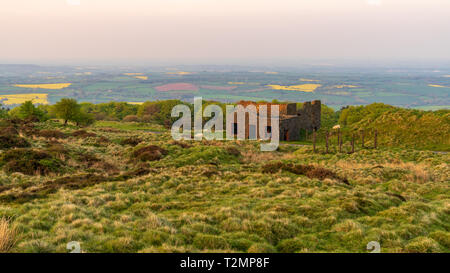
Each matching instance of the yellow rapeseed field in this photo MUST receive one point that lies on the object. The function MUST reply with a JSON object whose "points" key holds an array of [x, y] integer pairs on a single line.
{"points": [[21, 98], [233, 83], [437, 85], [135, 102], [179, 73], [133, 74], [141, 77], [301, 87], [45, 86]]}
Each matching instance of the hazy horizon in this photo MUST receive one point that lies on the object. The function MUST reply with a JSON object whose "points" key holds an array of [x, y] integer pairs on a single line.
{"points": [[261, 32]]}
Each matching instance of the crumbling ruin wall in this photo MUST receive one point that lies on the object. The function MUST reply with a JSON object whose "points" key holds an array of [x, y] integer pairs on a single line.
{"points": [[290, 128], [310, 115], [291, 119]]}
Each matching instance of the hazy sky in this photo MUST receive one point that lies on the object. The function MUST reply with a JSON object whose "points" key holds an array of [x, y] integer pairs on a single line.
{"points": [[232, 31]]}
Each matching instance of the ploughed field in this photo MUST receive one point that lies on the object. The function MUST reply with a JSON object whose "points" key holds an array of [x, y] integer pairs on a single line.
{"points": [[122, 189]]}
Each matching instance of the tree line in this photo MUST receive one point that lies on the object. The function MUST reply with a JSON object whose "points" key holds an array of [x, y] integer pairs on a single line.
{"points": [[397, 126]]}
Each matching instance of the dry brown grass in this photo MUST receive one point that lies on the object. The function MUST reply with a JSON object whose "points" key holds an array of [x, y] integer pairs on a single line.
{"points": [[252, 156], [8, 235], [418, 173]]}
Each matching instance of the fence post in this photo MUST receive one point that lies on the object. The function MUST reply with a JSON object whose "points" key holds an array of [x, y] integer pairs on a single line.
{"points": [[353, 143], [340, 142], [326, 139], [362, 138], [314, 140], [338, 135], [376, 138]]}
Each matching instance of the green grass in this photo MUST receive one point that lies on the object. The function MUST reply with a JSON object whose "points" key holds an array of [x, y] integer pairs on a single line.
{"points": [[203, 197], [130, 126]]}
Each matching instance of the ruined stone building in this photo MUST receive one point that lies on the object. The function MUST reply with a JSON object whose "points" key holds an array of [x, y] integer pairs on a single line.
{"points": [[292, 120]]}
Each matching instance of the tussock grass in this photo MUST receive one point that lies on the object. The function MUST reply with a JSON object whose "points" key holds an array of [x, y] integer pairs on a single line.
{"points": [[213, 196], [8, 235]]}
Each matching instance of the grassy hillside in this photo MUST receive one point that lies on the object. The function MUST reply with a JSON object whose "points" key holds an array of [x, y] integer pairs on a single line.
{"points": [[397, 127], [116, 188]]}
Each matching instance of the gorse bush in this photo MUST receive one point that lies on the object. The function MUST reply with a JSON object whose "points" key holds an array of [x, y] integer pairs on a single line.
{"points": [[30, 162], [12, 141], [149, 153]]}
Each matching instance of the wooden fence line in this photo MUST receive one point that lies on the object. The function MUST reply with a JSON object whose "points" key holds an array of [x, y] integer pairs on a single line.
{"points": [[340, 140]]}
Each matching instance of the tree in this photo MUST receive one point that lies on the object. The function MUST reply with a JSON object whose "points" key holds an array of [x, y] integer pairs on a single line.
{"points": [[159, 111], [3, 112], [84, 119], [27, 110], [67, 109]]}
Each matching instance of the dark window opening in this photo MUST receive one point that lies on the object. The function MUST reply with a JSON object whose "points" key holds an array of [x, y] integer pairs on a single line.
{"points": [[269, 129], [286, 135], [235, 128]]}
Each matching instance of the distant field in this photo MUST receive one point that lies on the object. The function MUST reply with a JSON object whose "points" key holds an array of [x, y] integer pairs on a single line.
{"points": [[301, 87], [45, 86], [177, 87], [21, 98], [334, 87], [178, 73]]}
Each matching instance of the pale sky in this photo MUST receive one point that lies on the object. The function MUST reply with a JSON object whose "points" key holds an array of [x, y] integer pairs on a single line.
{"points": [[64, 31]]}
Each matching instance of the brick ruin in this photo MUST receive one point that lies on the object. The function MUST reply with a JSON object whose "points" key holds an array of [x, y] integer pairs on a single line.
{"points": [[292, 120]]}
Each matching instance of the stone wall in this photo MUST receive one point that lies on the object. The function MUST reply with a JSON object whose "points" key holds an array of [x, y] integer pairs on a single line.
{"points": [[310, 115], [292, 120]]}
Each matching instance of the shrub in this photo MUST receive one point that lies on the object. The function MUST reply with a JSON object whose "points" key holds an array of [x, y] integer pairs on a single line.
{"points": [[9, 130], [12, 141], [133, 141], [88, 159], [203, 241], [28, 111], [102, 140], [76, 181], [30, 162], [131, 118], [149, 153], [50, 134], [57, 149], [83, 134], [232, 151], [183, 145]]}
